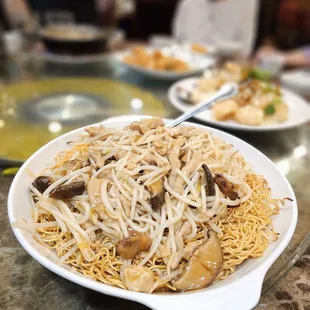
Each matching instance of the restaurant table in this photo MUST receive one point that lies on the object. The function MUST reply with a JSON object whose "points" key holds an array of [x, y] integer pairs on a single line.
{"points": [[25, 284]]}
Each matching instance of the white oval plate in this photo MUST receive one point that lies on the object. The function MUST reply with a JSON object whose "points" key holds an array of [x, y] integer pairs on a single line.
{"points": [[240, 291], [196, 61], [299, 110]]}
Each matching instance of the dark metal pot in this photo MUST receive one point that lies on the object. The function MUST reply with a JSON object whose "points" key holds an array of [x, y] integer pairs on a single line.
{"points": [[75, 39]]}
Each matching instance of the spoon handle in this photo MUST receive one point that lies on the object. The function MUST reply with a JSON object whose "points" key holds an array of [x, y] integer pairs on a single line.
{"points": [[227, 91]]}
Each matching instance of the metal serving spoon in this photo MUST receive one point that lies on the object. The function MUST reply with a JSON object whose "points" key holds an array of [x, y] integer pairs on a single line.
{"points": [[227, 91]]}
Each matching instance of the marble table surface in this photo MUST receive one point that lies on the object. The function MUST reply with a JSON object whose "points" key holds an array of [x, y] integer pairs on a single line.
{"points": [[26, 285]]}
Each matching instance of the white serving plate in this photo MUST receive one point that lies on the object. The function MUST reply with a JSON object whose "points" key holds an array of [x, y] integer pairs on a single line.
{"points": [[299, 110], [197, 62], [240, 291]]}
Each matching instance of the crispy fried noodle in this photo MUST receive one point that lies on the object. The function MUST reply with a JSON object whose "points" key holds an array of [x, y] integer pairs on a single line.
{"points": [[149, 208]]}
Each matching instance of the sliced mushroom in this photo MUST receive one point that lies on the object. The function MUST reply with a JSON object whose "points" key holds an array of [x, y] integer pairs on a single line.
{"points": [[68, 191], [139, 279], [203, 266], [136, 242], [157, 192], [209, 185], [189, 249], [226, 187], [93, 190], [42, 182]]}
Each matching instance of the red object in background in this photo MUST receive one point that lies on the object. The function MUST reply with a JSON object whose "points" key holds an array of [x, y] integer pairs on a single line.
{"points": [[295, 14], [305, 21], [289, 13]]}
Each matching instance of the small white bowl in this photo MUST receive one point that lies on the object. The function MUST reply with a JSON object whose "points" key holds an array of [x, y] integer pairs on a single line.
{"points": [[240, 291]]}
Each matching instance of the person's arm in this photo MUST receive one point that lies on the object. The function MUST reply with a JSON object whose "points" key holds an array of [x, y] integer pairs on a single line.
{"points": [[248, 26], [298, 58], [295, 58]]}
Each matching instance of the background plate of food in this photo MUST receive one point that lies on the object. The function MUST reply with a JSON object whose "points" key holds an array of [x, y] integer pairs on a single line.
{"points": [[209, 223], [169, 63], [162, 41], [259, 105]]}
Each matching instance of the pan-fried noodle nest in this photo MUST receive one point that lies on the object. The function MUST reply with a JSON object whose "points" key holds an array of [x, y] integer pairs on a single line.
{"points": [[85, 235]]}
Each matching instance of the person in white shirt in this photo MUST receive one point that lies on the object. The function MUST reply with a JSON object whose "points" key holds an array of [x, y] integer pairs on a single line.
{"points": [[215, 21]]}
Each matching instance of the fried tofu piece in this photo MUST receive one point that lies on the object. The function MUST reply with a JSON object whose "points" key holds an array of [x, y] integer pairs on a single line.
{"points": [[249, 115], [225, 109]]}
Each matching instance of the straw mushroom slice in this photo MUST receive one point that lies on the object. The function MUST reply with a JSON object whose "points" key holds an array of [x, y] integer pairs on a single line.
{"points": [[139, 279], [68, 191], [203, 266], [209, 183], [42, 182], [157, 192], [136, 242], [226, 187]]}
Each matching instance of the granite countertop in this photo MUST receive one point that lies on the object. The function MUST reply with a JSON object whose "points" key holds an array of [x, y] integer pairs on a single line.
{"points": [[26, 285], [293, 291]]}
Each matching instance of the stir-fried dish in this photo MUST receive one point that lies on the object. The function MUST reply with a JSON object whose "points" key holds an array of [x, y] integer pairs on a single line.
{"points": [[149, 208], [155, 60], [258, 102]]}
